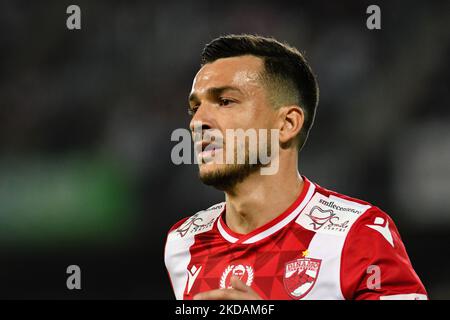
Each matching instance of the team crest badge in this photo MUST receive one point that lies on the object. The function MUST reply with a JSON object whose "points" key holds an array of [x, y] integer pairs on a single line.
{"points": [[300, 275], [243, 272]]}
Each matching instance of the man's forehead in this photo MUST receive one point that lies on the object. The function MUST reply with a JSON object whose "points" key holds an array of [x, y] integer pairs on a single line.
{"points": [[237, 71]]}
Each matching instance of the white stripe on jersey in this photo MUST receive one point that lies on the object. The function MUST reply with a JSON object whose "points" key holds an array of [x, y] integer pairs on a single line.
{"points": [[327, 244], [177, 263], [327, 248], [224, 233]]}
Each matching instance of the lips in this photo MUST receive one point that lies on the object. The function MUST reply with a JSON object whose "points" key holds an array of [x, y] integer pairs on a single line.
{"points": [[208, 150]]}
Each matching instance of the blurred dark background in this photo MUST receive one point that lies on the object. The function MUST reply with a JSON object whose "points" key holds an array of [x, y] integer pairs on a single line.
{"points": [[86, 116]]}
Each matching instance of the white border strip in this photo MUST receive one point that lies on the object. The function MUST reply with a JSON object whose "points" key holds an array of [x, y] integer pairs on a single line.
{"points": [[224, 233]]}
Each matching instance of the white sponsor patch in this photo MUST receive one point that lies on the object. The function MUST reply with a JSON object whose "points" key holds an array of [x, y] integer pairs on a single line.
{"points": [[330, 215], [200, 222]]}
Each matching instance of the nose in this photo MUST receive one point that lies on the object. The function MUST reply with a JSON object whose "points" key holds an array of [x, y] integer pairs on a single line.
{"points": [[202, 119]]}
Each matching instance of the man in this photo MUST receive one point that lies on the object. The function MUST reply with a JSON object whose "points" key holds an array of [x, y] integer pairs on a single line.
{"points": [[276, 236]]}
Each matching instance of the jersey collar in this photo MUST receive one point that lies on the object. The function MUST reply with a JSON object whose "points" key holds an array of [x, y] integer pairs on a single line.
{"points": [[272, 226]]}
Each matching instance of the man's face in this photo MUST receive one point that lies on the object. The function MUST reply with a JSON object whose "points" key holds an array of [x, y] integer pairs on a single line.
{"points": [[228, 94]]}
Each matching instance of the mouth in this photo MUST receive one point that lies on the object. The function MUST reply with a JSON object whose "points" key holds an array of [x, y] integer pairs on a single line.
{"points": [[208, 151]]}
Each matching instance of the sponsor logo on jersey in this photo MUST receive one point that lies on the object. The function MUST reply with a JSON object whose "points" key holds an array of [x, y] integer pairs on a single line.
{"points": [[201, 221], [300, 275], [333, 205], [195, 224], [330, 215], [192, 276], [218, 206], [382, 226], [243, 271], [320, 217]]}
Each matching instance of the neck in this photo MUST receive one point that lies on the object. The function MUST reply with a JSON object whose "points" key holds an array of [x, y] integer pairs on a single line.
{"points": [[261, 198]]}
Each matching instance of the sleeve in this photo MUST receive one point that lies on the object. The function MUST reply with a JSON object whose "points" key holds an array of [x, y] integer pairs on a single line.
{"points": [[173, 228], [374, 263]]}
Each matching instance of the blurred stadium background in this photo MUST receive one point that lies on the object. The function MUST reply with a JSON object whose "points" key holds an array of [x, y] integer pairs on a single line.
{"points": [[86, 117]]}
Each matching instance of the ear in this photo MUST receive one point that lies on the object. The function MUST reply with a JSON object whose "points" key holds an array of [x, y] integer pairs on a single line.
{"points": [[291, 123]]}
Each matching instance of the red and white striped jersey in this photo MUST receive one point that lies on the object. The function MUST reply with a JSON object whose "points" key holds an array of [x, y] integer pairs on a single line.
{"points": [[324, 246]]}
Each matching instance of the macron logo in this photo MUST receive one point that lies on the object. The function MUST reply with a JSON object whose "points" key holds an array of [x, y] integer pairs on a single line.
{"points": [[384, 231], [192, 275]]}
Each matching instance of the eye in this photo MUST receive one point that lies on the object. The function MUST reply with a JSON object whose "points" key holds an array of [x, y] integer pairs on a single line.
{"points": [[192, 110], [225, 102]]}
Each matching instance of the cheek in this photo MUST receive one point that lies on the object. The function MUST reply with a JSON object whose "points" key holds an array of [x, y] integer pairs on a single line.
{"points": [[254, 113], [250, 115], [241, 117], [261, 119]]}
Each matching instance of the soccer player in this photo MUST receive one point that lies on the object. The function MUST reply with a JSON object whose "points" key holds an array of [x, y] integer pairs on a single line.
{"points": [[276, 236]]}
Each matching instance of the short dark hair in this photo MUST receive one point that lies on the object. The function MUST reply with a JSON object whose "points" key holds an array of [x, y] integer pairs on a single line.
{"points": [[282, 63]]}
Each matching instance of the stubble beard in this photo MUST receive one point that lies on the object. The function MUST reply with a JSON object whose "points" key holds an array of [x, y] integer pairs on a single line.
{"points": [[227, 176]]}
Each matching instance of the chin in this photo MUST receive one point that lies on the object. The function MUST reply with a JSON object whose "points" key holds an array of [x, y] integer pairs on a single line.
{"points": [[225, 177], [208, 170]]}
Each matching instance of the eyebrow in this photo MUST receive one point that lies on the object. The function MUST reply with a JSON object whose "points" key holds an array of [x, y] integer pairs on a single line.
{"points": [[214, 91]]}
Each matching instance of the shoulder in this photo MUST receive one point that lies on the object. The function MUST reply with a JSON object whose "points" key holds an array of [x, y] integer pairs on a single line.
{"points": [[200, 222], [332, 213], [358, 223], [364, 225], [370, 222], [374, 263]]}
